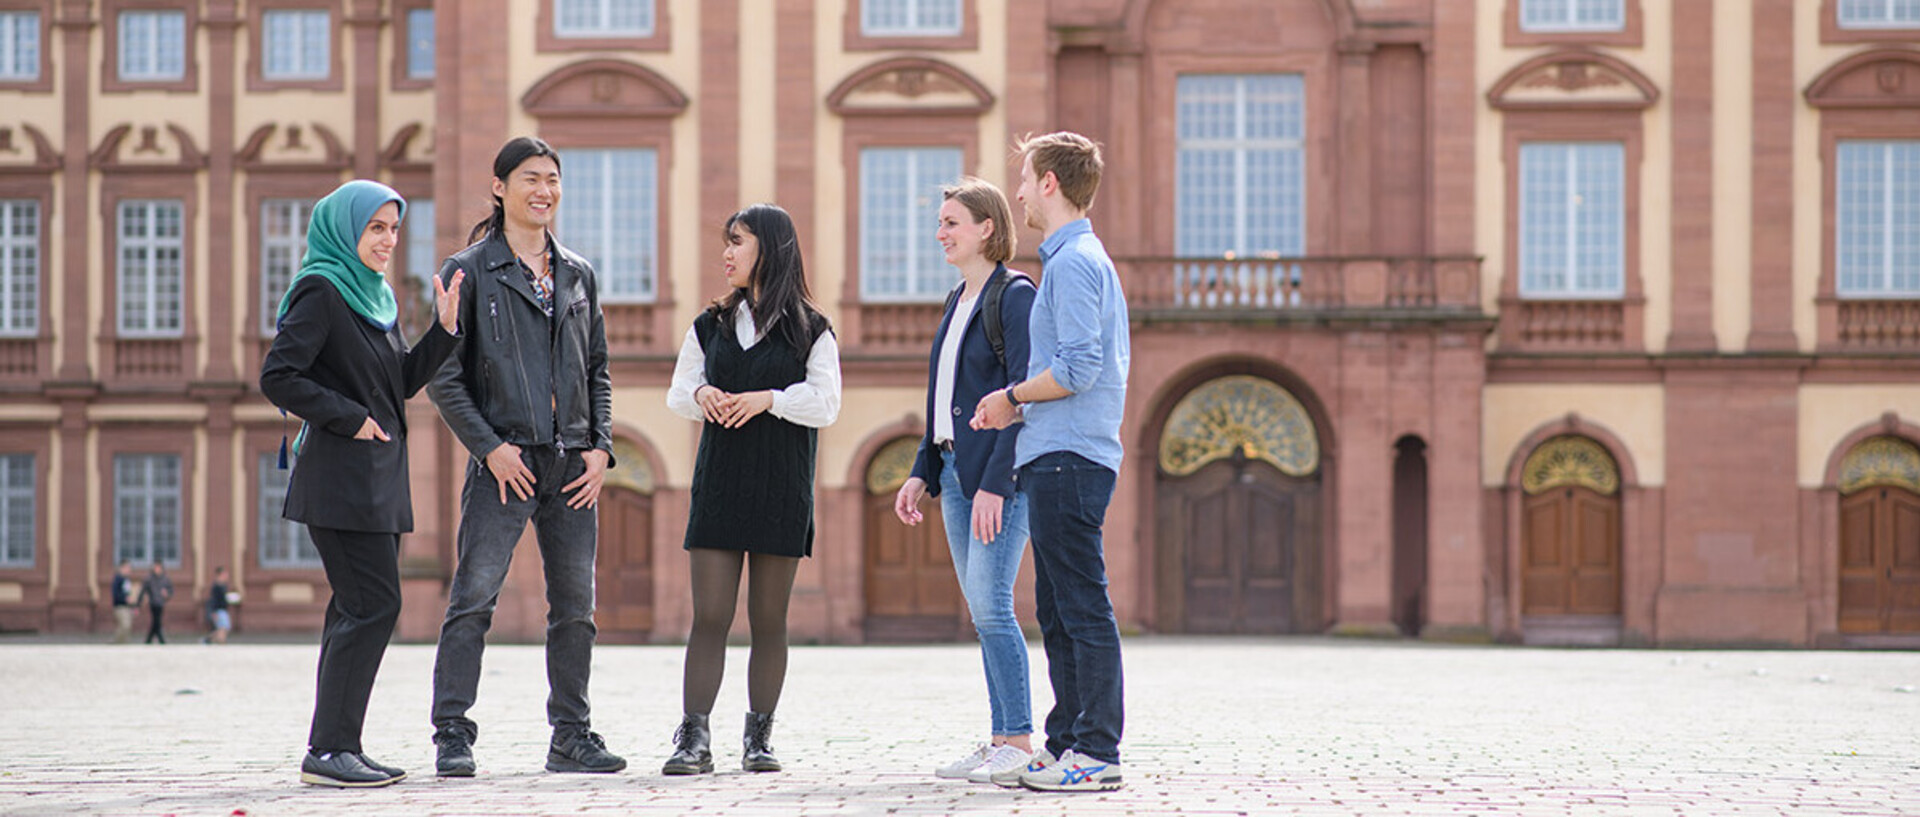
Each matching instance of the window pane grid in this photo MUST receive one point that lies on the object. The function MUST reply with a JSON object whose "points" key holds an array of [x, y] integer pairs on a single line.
{"points": [[19, 45], [1879, 13], [16, 510], [1572, 15], [146, 518], [1877, 219], [1572, 220], [283, 241], [910, 17], [1239, 165], [603, 18], [420, 48], [283, 542], [153, 45], [296, 44], [611, 216], [19, 267], [899, 209], [150, 274]]}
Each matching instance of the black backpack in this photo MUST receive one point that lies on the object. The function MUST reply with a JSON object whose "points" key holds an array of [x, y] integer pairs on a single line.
{"points": [[990, 312]]}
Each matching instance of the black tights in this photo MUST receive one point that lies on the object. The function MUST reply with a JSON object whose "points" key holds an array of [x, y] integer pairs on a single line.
{"points": [[716, 587]]}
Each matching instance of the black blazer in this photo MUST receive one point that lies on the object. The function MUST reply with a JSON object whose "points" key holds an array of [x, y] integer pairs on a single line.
{"points": [[985, 458], [333, 369]]}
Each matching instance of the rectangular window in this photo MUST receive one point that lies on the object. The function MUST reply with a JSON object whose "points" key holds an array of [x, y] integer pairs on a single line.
{"points": [[603, 18], [283, 240], [19, 268], [16, 510], [420, 43], [912, 18], [1879, 13], [283, 542], [153, 45], [146, 508], [19, 45], [899, 211], [1877, 219], [421, 259], [1573, 15], [296, 43], [1240, 168], [1572, 220], [150, 272], [611, 216]]}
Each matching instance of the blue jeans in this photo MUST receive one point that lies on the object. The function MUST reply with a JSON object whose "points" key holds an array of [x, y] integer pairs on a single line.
{"points": [[1069, 495], [488, 532], [986, 571]]}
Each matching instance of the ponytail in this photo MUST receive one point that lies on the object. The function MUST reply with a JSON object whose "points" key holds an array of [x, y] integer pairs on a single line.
{"points": [[516, 150]]}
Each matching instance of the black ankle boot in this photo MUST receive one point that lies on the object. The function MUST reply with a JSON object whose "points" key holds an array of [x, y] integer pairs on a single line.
{"points": [[759, 756], [691, 754]]}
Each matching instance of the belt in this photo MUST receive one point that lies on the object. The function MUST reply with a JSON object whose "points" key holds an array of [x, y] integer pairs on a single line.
{"points": [[945, 445]]}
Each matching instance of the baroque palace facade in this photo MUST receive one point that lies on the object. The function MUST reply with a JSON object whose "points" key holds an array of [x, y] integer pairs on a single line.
{"points": [[1555, 321]]}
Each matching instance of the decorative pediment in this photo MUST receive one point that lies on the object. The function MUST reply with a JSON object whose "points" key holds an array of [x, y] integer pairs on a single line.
{"points": [[404, 153], [1883, 78], [1573, 79], [604, 88], [910, 85], [24, 149], [144, 148], [293, 147]]}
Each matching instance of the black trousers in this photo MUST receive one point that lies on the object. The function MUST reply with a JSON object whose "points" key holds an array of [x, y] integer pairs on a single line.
{"points": [[364, 569], [156, 615]]}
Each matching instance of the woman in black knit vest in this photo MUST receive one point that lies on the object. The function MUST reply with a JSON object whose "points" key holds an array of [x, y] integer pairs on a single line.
{"points": [[762, 369]]}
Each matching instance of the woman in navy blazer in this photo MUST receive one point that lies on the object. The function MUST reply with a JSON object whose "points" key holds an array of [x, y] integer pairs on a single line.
{"points": [[972, 471]]}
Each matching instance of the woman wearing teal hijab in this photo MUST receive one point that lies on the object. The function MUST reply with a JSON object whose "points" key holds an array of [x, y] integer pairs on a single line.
{"points": [[340, 364]]}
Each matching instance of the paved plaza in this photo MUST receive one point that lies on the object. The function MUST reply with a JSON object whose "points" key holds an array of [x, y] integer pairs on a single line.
{"points": [[1241, 726]]}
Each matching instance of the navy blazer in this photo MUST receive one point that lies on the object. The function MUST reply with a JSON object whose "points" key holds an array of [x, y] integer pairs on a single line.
{"points": [[985, 458]]}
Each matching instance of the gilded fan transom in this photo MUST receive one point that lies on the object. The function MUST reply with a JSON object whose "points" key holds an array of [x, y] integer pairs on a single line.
{"points": [[630, 470], [1240, 413], [1887, 461], [1575, 461], [892, 465]]}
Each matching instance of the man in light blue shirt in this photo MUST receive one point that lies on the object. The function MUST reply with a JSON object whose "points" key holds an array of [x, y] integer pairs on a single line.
{"points": [[1068, 457]]}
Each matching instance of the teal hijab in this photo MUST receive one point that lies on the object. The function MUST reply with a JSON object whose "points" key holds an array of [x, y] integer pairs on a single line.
{"points": [[333, 251]]}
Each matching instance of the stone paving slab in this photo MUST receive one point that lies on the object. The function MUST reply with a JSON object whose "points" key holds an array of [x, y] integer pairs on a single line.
{"points": [[1215, 727]]}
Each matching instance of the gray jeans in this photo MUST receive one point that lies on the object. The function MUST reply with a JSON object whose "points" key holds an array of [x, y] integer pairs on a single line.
{"points": [[488, 532]]}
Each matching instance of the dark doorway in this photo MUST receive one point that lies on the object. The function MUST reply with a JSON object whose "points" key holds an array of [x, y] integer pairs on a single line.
{"points": [[1410, 535]]}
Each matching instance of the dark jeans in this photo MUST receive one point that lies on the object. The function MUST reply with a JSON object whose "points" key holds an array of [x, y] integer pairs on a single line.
{"points": [[364, 570], [156, 616], [488, 532], [1068, 497]]}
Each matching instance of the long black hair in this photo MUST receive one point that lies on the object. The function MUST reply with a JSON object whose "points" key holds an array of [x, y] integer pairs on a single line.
{"points": [[516, 150], [784, 303]]}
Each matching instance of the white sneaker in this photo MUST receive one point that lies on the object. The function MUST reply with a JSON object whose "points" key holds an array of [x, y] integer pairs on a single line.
{"points": [[959, 769], [1010, 779], [1074, 772], [1005, 757]]}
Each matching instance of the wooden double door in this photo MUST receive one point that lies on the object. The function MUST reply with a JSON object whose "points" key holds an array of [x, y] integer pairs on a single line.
{"points": [[1570, 543], [623, 573], [911, 591], [1239, 550], [1880, 561]]}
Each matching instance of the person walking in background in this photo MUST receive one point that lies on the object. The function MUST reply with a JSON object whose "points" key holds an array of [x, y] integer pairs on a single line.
{"points": [[122, 589], [528, 394], [1069, 458], [340, 364], [156, 591], [761, 367], [981, 346], [219, 619]]}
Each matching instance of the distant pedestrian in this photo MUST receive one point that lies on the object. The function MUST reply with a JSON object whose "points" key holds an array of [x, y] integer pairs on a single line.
{"points": [[156, 592], [123, 602], [218, 618]]}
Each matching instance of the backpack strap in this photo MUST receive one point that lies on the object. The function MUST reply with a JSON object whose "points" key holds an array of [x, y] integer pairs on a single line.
{"points": [[990, 312]]}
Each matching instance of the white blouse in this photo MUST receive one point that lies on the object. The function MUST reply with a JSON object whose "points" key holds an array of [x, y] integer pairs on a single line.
{"points": [[814, 402]]}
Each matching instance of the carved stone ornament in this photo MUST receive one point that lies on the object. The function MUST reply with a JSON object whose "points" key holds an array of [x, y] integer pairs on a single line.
{"points": [[891, 465], [909, 85], [1570, 461], [1239, 413], [1881, 461], [1573, 79], [599, 88], [630, 469], [1873, 79]]}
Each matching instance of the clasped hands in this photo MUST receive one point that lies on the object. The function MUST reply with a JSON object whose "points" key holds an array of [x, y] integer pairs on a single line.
{"points": [[729, 409]]}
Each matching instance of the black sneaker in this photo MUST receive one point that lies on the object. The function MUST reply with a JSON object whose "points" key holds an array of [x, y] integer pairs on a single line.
{"points": [[584, 752], [340, 770], [397, 774], [454, 757]]}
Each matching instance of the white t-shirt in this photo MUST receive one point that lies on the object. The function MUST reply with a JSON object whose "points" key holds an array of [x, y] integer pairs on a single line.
{"points": [[949, 361]]}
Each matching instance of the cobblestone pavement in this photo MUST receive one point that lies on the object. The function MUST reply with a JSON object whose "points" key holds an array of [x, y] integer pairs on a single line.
{"points": [[1273, 726]]}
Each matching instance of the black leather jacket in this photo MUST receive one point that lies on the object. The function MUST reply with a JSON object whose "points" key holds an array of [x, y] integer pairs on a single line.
{"points": [[514, 371]]}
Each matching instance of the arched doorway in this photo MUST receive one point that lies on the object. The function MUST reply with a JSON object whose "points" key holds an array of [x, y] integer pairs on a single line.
{"points": [[1570, 543], [623, 576], [1880, 538], [911, 591], [1238, 512], [1410, 535]]}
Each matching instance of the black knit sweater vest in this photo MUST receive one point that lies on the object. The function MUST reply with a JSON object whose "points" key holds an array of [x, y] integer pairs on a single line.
{"points": [[753, 485]]}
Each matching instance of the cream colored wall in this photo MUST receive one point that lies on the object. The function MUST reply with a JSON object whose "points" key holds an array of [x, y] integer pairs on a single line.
{"points": [[1635, 414], [676, 438], [1829, 413], [862, 414], [1732, 173], [1811, 59], [759, 66], [1490, 62]]}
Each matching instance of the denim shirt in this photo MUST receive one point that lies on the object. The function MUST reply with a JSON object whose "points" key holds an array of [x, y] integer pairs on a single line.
{"points": [[1078, 329]]}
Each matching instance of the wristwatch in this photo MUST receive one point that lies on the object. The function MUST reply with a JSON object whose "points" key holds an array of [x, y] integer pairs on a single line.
{"points": [[1009, 390]]}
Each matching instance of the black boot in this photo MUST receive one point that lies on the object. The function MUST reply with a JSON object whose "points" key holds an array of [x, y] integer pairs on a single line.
{"points": [[759, 756], [691, 754]]}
